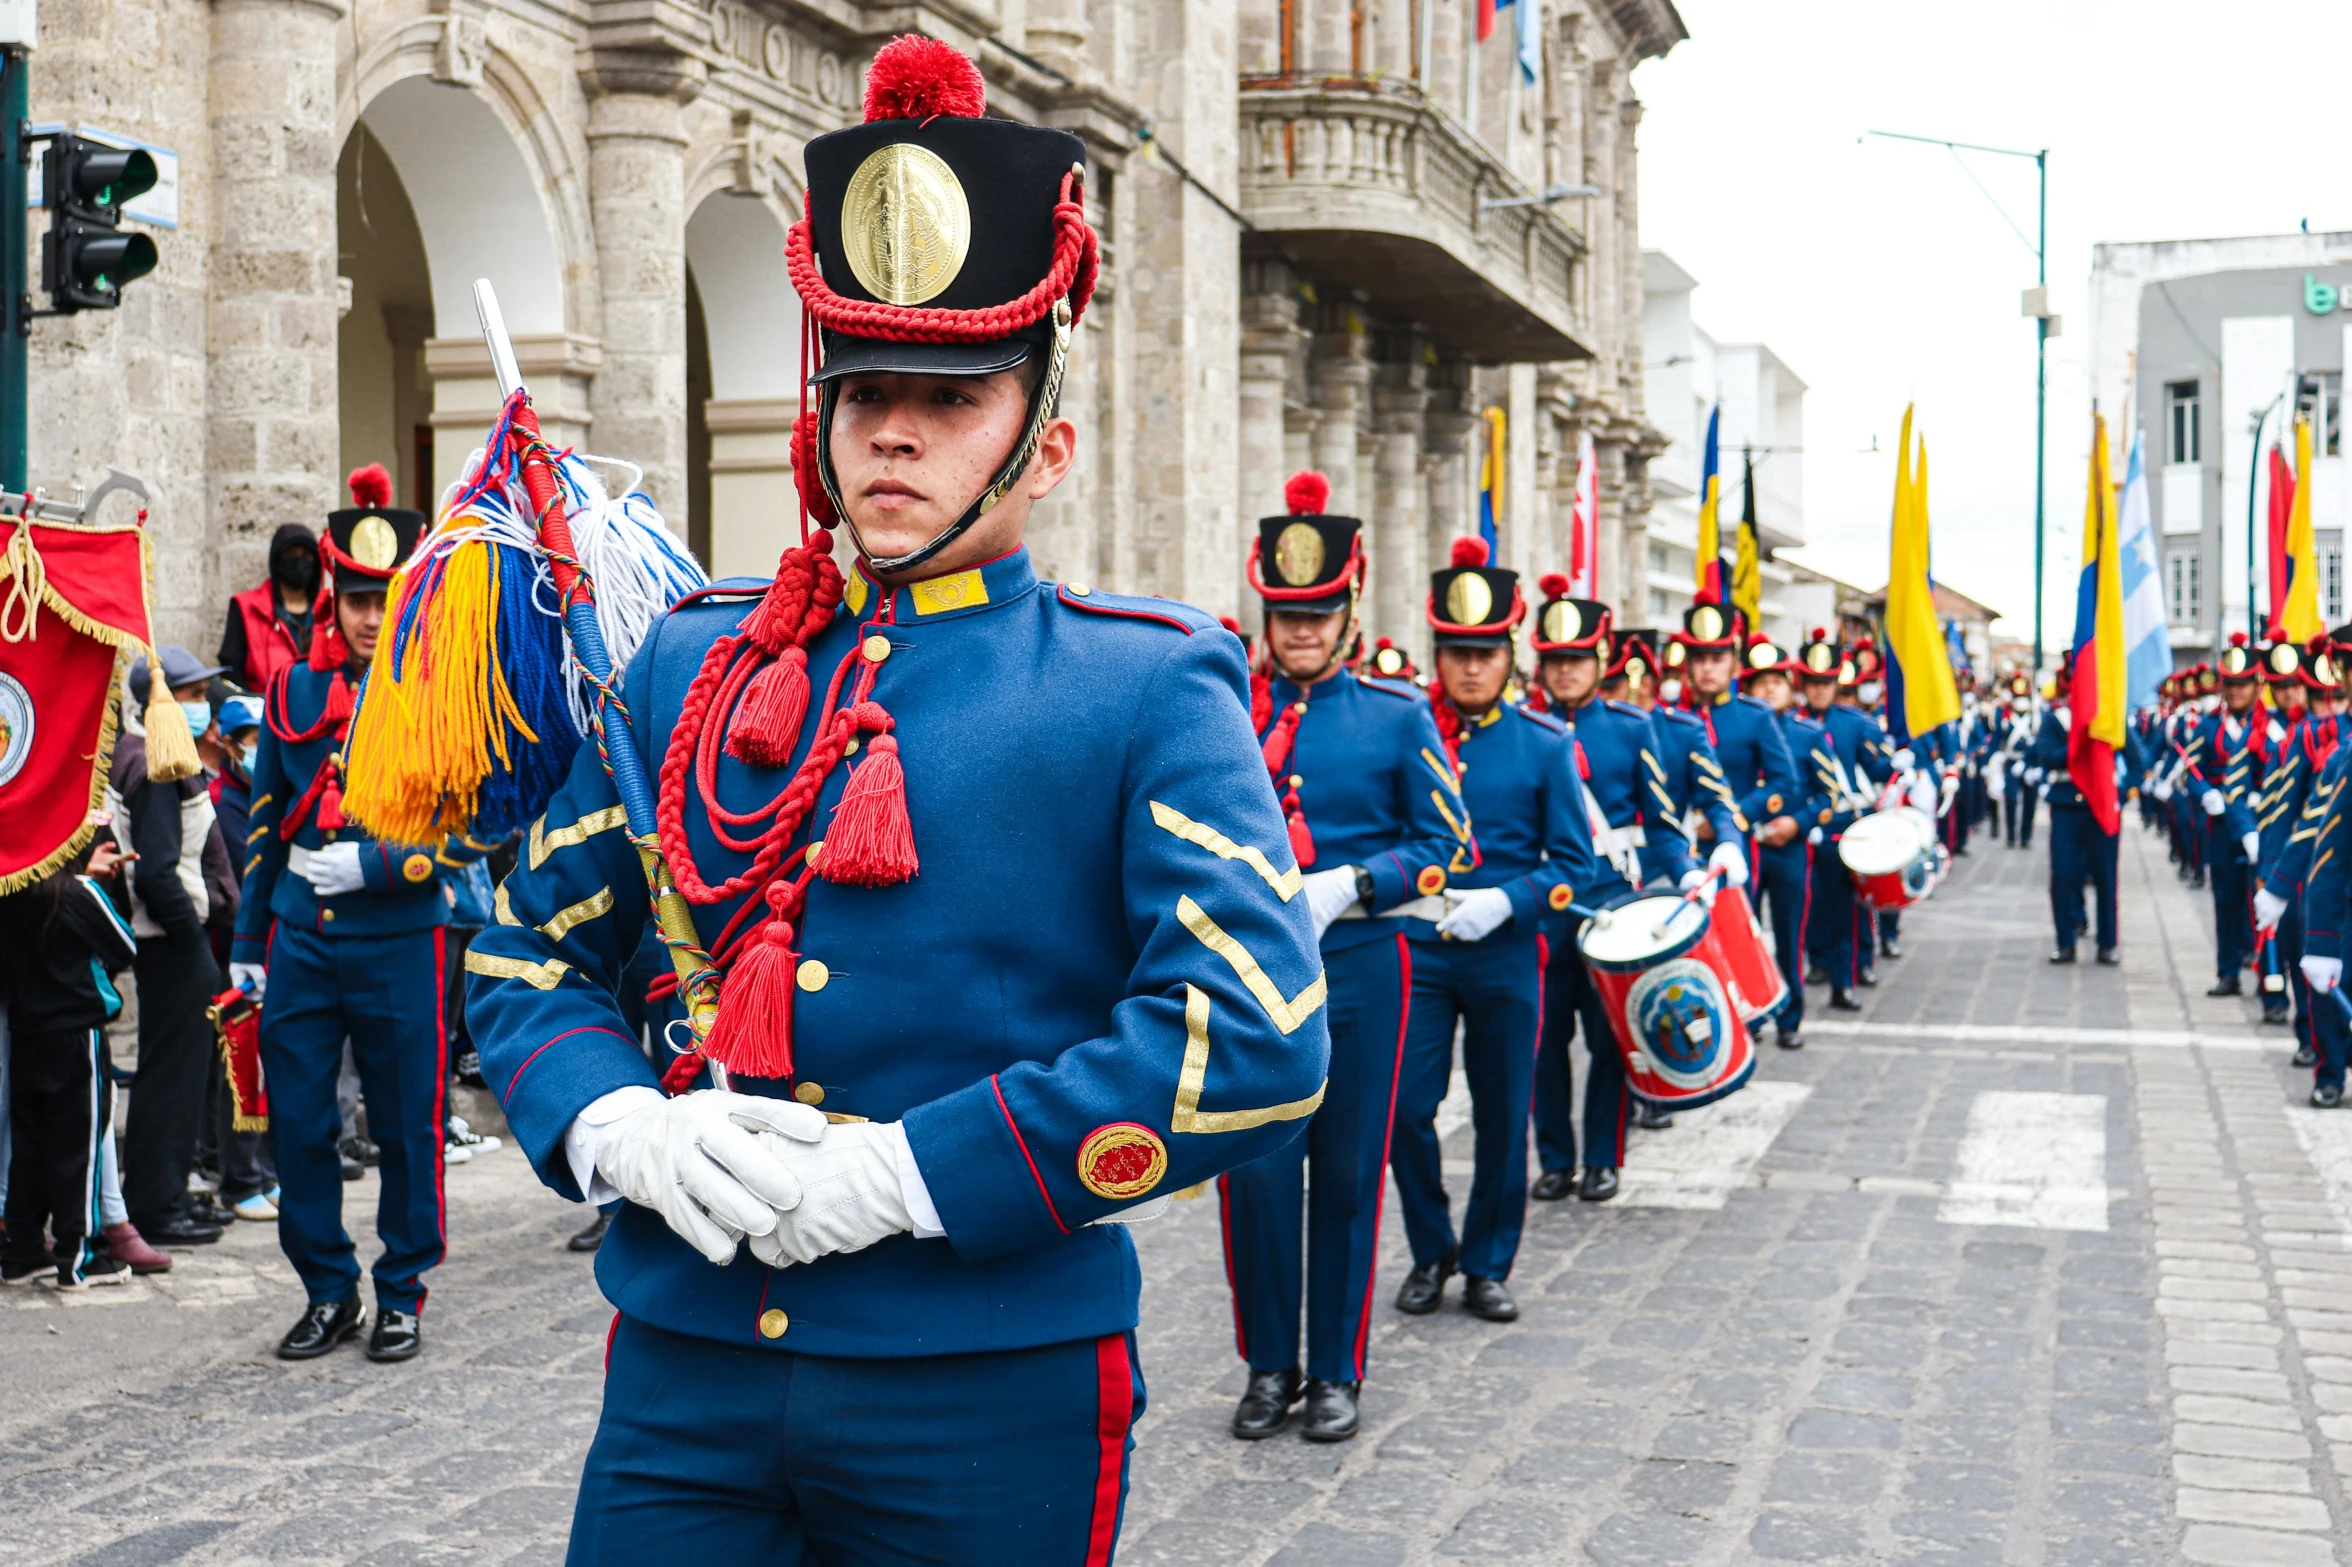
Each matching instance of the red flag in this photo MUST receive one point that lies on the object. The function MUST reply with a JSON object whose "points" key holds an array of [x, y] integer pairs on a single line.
{"points": [[1486, 19], [73, 614], [2282, 506]]}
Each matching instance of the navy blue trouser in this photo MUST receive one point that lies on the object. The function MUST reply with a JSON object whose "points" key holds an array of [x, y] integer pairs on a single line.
{"points": [[721, 1453], [1303, 1222], [2331, 1036], [1833, 922], [2233, 905], [1572, 1005], [2021, 799], [1495, 988], [1783, 890], [385, 994], [2079, 853]]}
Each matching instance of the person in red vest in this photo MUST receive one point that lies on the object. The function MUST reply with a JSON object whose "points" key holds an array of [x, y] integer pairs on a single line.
{"points": [[269, 625]]}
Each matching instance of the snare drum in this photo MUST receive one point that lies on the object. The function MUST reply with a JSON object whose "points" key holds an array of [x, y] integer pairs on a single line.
{"points": [[1662, 968], [1893, 857], [1756, 983]]}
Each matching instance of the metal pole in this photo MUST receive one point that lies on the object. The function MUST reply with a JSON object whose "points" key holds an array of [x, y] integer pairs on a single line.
{"points": [[15, 306], [2041, 395], [2253, 480]]}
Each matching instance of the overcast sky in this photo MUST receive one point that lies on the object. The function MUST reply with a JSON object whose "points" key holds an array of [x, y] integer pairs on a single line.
{"points": [[1882, 275]]}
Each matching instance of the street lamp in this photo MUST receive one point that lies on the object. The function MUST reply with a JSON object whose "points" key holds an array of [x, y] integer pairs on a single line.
{"points": [[2037, 305], [1552, 194]]}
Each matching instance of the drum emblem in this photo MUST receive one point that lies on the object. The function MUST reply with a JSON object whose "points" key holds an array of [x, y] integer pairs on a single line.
{"points": [[1679, 1013]]}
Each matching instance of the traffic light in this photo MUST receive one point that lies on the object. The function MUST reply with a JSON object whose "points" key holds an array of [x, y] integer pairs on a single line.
{"points": [[85, 257]]}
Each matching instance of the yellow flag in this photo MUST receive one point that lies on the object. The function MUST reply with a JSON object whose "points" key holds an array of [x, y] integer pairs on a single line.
{"points": [[2103, 556], [2299, 618], [1915, 637]]}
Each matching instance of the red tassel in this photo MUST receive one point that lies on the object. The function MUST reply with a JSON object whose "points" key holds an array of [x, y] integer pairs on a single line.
{"points": [[871, 843], [330, 807], [1302, 842], [752, 1034], [766, 725]]}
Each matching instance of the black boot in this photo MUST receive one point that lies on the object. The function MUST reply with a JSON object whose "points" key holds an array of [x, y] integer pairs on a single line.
{"points": [[398, 1336], [1265, 1405], [1488, 1298], [1891, 948], [2109, 956], [2305, 1056], [593, 1236], [2062, 955], [1425, 1286], [1787, 1037], [324, 1324], [2327, 1096], [1650, 1117], [1868, 979], [2227, 985], [1553, 1185], [1331, 1411], [1842, 1000], [2275, 1012], [1600, 1184]]}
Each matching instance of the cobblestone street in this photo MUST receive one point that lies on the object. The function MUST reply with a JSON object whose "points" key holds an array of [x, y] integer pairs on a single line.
{"points": [[2025, 1265]]}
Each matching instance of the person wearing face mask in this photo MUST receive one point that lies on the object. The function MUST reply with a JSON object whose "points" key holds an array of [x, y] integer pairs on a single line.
{"points": [[248, 1175], [269, 625]]}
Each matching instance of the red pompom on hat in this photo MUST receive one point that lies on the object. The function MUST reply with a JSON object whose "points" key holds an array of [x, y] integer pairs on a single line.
{"points": [[1381, 642], [1554, 585], [370, 486], [2237, 639], [1306, 493], [1469, 552], [918, 78]]}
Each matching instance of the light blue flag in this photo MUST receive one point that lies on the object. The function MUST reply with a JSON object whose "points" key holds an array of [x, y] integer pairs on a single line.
{"points": [[2147, 648], [1530, 36]]}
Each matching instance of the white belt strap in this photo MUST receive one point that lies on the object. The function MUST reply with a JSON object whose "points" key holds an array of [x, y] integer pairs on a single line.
{"points": [[1433, 907], [298, 861], [1616, 844]]}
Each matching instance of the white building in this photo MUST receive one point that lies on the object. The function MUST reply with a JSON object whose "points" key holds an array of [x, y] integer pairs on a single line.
{"points": [[1763, 404]]}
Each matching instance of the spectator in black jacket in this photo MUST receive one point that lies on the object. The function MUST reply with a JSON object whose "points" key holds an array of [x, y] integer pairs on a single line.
{"points": [[171, 826], [66, 940]]}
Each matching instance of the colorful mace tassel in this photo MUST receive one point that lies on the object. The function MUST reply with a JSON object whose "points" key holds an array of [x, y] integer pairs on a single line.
{"points": [[752, 1034], [871, 842]]}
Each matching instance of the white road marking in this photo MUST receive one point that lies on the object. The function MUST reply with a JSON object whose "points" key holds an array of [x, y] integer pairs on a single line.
{"points": [[2326, 1135], [1711, 1151], [2034, 1160], [2032, 1034]]}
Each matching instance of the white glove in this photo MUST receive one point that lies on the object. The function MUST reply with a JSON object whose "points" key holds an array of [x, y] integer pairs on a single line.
{"points": [[1814, 837], [2033, 775], [1732, 860], [2323, 973], [2163, 789], [1699, 878], [2268, 908], [2215, 802], [252, 978], [694, 1161], [1329, 894], [2252, 844], [1475, 913], [850, 1195], [1903, 759], [334, 870]]}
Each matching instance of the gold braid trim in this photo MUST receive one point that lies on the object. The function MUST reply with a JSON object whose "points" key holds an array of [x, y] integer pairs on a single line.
{"points": [[109, 727]]}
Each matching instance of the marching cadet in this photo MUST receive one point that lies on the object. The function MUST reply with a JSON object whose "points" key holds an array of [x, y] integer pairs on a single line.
{"points": [[2278, 941], [1750, 760], [1834, 934], [1482, 965], [1637, 838], [2228, 760], [2317, 854], [2290, 819], [1783, 881], [342, 937], [1862, 690], [1012, 936], [1376, 819], [2081, 850], [2018, 796]]}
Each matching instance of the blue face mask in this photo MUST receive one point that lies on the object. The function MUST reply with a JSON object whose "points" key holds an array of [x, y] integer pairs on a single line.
{"points": [[199, 716], [246, 755]]}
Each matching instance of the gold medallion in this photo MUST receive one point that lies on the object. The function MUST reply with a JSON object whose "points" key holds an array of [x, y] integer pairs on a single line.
{"points": [[1298, 554], [374, 544], [905, 225], [2282, 658], [1469, 600], [1673, 655], [1563, 622], [1763, 656], [1706, 623], [1121, 1160], [1820, 659]]}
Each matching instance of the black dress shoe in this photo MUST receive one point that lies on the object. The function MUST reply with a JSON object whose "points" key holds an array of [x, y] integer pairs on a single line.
{"points": [[324, 1324], [352, 1168], [1650, 1117], [593, 1236], [1786, 1037], [1331, 1411], [2109, 956], [1425, 1286], [1814, 976], [2275, 1014], [203, 1210], [1600, 1184], [1843, 1001], [2306, 1056], [2228, 986], [360, 1148], [1488, 1298], [1891, 948], [398, 1335], [1867, 979], [2062, 955], [1265, 1405], [2327, 1096], [180, 1230], [1553, 1185], [2196, 878]]}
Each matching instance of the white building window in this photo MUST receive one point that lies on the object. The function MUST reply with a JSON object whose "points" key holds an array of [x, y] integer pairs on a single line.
{"points": [[2183, 586], [1657, 606], [1659, 562], [2320, 399], [2331, 584], [2183, 440]]}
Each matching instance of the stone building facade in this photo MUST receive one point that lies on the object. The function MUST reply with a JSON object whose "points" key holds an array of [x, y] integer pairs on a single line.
{"points": [[1335, 232]]}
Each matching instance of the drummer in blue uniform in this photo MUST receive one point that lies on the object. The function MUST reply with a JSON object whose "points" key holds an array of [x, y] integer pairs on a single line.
{"points": [[1864, 694], [1783, 881], [1481, 966], [1856, 749], [1032, 956], [2317, 855], [1744, 746], [2228, 762], [1638, 838], [1376, 820], [2289, 825], [342, 937]]}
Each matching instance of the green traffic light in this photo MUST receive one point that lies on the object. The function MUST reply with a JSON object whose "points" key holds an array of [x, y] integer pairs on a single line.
{"points": [[108, 177]]}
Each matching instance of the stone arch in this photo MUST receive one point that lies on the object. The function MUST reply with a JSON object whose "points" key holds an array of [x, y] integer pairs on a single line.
{"points": [[743, 378]]}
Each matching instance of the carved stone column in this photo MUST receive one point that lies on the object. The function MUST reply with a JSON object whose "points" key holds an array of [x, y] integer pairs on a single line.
{"points": [[1446, 436], [637, 194], [1270, 340], [1341, 376], [1399, 506]]}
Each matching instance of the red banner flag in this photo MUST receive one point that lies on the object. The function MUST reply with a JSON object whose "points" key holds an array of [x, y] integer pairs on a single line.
{"points": [[73, 616], [2282, 508]]}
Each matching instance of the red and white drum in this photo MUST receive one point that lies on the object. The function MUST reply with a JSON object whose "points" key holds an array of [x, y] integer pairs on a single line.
{"points": [[1757, 985], [1893, 857], [1665, 972]]}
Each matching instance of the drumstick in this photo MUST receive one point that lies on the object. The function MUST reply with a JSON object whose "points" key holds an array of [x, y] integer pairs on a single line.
{"points": [[1658, 931]]}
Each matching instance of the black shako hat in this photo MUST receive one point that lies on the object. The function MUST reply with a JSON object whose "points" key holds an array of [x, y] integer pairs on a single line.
{"points": [[1819, 658], [1473, 604], [1710, 627], [1305, 560], [371, 538], [1567, 624]]}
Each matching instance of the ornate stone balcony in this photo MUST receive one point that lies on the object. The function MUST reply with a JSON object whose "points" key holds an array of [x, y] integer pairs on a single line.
{"points": [[1368, 185]]}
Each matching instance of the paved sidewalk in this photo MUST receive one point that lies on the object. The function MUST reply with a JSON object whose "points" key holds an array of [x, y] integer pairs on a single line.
{"points": [[2025, 1264]]}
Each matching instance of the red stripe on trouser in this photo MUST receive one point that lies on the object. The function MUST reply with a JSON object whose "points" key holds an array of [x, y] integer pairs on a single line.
{"points": [[1232, 1284], [440, 1105], [611, 1332], [1387, 1135], [1114, 1414]]}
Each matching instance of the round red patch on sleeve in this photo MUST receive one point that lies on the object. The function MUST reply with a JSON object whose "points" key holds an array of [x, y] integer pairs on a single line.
{"points": [[1121, 1160]]}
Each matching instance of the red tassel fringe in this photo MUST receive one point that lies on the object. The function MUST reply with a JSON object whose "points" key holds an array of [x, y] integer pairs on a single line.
{"points": [[766, 725], [752, 1035], [871, 842], [330, 807]]}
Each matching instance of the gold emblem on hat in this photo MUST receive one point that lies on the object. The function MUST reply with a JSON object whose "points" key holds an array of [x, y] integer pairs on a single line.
{"points": [[1706, 623], [905, 225], [1673, 655], [2282, 658], [374, 544], [1563, 621], [1819, 658], [2323, 670], [1469, 600], [1298, 554], [1763, 656]]}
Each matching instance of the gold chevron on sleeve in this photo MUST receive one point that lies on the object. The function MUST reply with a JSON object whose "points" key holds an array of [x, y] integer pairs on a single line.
{"points": [[502, 908], [1287, 1015], [1285, 883], [598, 902], [539, 976], [545, 842], [1188, 1115], [1445, 774], [1460, 825]]}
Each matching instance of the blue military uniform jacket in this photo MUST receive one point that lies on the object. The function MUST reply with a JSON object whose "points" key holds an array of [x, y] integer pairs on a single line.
{"points": [[2230, 754], [1694, 777], [2296, 799], [1534, 838], [1105, 941], [1626, 783], [406, 885], [1377, 791], [2049, 755], [1859, 747], [1822, 804], [1754, 756]]}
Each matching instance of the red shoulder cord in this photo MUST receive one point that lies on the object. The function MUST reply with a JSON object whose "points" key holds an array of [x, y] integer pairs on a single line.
{"points": [[325, 794], [1449, 724], [1281, 741]]}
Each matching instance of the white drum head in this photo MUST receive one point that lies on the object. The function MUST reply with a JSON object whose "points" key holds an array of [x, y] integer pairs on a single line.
{"points": [[1880, 844], [1628, 935]]}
